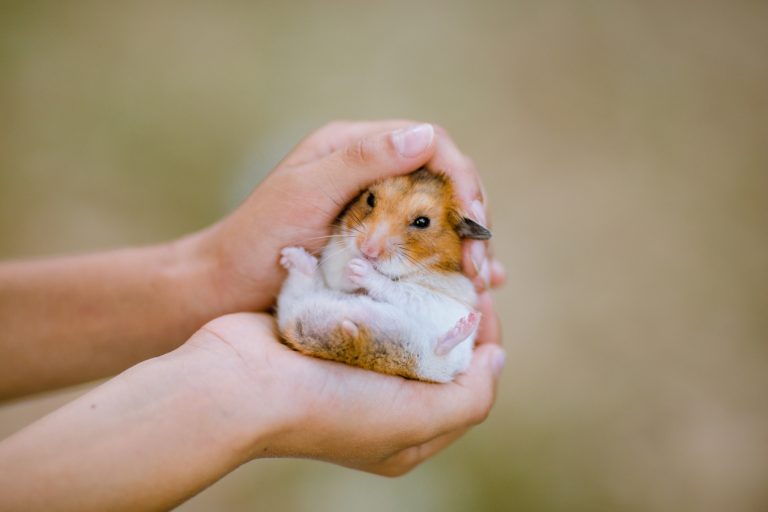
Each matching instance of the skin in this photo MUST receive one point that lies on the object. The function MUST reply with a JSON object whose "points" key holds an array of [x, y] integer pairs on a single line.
{"points": [[228, 392], [90, 304], [231, 394]]}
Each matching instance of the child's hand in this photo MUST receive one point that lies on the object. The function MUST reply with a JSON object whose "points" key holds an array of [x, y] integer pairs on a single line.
{"points": [[298, 201], [282, 403], [165, 429]]}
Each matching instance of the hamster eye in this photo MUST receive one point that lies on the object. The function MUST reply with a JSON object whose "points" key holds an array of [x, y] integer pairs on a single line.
{"points": [[421, 222], [371, 200]]}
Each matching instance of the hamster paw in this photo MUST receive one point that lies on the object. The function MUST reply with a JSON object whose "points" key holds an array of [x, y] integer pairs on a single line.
{"points": [[299, 259], [458, 333], [350, 328], [360, 272]]}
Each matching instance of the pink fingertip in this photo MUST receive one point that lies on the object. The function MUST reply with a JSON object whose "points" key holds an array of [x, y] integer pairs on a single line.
{"points": [[498, 273]]}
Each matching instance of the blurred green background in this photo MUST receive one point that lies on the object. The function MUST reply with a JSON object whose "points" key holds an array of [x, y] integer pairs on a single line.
{"points": [[624, 147]]}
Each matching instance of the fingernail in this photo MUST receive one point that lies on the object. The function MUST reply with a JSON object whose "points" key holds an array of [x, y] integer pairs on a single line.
{"points": [[477, 254], [411, 142], [498, 361], [478, 212]]}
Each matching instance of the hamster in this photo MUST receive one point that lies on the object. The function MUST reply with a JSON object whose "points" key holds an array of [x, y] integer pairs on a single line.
{"points": [[388, 293]]}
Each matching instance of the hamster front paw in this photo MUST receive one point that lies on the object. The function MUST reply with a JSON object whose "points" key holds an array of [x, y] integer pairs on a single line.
{"points": [[361, 273], [299, 259]]}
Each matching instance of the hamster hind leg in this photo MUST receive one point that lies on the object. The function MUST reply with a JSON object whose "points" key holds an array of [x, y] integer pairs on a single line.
{"points": [[452, 352], [352, 330], [463, 328]]}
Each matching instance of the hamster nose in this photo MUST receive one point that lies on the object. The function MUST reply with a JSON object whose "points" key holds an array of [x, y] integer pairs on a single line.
{"points": [[370, 251]]}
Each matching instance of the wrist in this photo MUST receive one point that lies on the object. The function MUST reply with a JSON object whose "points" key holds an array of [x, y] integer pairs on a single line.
{"points": [[237, 396], [151, 437], [194, 272], [226, 271]]}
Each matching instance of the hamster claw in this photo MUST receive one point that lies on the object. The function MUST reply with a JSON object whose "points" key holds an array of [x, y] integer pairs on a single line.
{"points": [[458, 333]]}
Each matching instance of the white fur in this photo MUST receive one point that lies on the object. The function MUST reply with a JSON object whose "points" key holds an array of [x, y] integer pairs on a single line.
{"points": [[397, 300]]}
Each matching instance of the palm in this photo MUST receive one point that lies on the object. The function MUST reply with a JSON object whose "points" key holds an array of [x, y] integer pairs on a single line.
{"points": [[351, 416], [300, 199]]}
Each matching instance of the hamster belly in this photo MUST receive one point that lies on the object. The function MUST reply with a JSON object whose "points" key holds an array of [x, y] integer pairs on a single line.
{"points": [[352, 329], [398, 339], [435, 316]]}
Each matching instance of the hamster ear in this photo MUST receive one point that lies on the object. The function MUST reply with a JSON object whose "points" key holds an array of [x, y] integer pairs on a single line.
{"points": [[467, 228]]}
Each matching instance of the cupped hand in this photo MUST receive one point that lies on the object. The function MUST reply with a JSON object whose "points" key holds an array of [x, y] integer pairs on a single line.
{"points": [[297, 203], [285, 404]]}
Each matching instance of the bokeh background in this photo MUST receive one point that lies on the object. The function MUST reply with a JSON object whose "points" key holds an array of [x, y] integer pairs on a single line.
{"points": [[624, 146]]}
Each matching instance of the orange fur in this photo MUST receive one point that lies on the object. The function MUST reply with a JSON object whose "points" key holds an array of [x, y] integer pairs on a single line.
{"points": [[361, 350], [398, 202]]}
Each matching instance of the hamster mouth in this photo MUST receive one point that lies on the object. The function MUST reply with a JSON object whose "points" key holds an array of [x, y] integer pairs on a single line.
{"points": [[378, 264], [378, 269], [398, 270]]}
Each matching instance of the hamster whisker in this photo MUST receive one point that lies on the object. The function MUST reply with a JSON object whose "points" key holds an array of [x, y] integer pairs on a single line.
{"points": [[405, 254], [310, 239], [357, 222], [357, 229]]}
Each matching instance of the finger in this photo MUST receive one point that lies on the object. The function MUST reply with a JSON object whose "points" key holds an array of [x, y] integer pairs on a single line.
{"points": [[480, 383], [471, 196], [337, 134], [347, 171], [489, 330], [411, 413], [468, 400], [405, 460], [498, 274], [475, 263], [484, 273], [449, 160]]}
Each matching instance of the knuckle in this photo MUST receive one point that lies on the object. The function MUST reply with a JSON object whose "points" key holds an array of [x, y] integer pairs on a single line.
{"points": [[359, 152]]}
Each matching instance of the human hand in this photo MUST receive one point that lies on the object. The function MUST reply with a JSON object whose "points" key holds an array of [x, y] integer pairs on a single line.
{"points": [[168, 427], [280, 403], [300, 199]]}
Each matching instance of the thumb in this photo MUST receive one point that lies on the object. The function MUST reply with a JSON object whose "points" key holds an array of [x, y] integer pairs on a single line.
{"points": [[482, 378], [350, 169]]}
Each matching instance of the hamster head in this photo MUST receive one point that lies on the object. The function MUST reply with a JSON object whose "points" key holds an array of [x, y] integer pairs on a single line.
{"points": [[407, 225]]}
